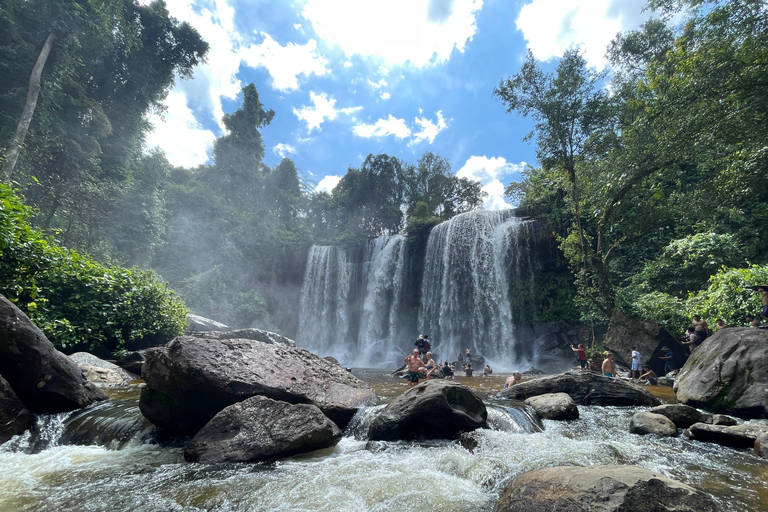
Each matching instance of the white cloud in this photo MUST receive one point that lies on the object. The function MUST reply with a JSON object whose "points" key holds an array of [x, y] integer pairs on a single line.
{"points": [[382, 128], [490, 172], [377, 85], [179, 119], [398, 31], [348, 64], [323, 110], [385, 95], [552, 26], [282, 150], [285, 63], [328, 183], [429, 130]]}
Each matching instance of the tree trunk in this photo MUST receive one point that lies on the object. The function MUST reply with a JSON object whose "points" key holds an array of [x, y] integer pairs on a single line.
{"points": [[29, 110]]}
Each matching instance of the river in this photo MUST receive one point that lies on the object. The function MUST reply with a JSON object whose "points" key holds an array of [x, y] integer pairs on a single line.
{"points": [[130, 469]]}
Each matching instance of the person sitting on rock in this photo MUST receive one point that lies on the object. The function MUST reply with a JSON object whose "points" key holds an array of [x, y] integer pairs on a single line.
{"points": [[719, 324], [430, 364], [609, 367], [414, 362], [487, 371], [447, 371], [649, 376], [513, 379]]}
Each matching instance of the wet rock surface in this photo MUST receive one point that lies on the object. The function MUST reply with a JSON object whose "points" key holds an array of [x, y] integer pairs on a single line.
{"points": [[44, 379], [585, 388], [645, 422], [603, 489], [761, 445], [728, 373], [260, 428], [738, 436], [99, 371], [14, 417], [683, 416], [268, 337], [554, 406], [436, 409], [191, 379]]}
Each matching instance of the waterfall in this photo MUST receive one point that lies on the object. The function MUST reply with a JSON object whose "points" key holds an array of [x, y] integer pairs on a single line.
{"points": [[477, 287]]}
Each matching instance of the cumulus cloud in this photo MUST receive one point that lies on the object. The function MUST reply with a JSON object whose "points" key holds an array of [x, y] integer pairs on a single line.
{"points": [[492, 173], [552, 26], [323, 109], [397, 31], [385, 95], [179, 119], [428, 129], [382, 128], [328, 183], [285, 63], [283, 150]]}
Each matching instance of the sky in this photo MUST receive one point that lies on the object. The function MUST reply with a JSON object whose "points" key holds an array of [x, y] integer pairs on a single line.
{"points": [[348, 78]]}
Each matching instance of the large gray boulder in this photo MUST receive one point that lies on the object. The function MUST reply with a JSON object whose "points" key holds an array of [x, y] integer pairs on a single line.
{"points": [[435, 409], [191, 379], [728, 373], [99, 371], [260, 428], [683, 416], [601, 489], [271, 338], [200, 323], [44, 379], [737, 436], [585, 388], [646, 422], [554, 406], [14, 417]]}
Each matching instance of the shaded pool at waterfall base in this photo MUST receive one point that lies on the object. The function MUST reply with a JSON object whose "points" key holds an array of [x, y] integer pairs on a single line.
{"points": [[358, 475]]}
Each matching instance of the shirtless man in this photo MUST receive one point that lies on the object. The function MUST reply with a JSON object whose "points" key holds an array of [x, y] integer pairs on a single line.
{"points": [[700, 328], [513, 379], [430, 364], [414, 362], [609, 368]]}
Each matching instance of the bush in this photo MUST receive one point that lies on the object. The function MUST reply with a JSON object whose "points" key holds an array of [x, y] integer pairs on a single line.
{"points": [[729, 295], [74, 299]]}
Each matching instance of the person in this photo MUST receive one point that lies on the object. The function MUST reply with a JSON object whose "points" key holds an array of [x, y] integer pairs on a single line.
{"points": [[468, 357], [692, 340], [427, 344], [430, 365], [649, 376], [719, 324], [447, 371], [414, 362], [700, 328], [487, 371], [513, 379], [764, 293], [421, 346], [609, 367], [749, 319], [669, 360], [468, 370], [582, 355], [637, 364]]}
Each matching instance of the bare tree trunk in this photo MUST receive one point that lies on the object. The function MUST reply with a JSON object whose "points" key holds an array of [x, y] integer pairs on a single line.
{"points": [[29, 110]]}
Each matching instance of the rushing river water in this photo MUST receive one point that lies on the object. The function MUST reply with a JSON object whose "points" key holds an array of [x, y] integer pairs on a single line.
{"points": [[135, 472]]}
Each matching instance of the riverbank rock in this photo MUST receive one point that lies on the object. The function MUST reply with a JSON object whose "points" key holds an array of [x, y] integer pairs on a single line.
{"points": [[585, 388], [737, 436], [436, 409], [603, 489], [728, 373], [268, 337], [683, 416], [646, 422], [723, 419], [44, 379], [554, 406], [100, 371], [191, 379], [761, 445], [260, 428], [14, 417], [200, 323], [132, 361]]}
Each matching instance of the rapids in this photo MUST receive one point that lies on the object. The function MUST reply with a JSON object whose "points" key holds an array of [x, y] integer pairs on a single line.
{"points": [[136, 471]]}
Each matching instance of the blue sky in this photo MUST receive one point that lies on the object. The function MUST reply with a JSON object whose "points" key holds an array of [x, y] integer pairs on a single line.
{"points": [[351, 77]]}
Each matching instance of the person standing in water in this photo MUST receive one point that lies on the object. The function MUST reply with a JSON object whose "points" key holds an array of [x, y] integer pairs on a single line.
{"points": [[414, 362], [468, 358], [637, 364], [513, 379]]}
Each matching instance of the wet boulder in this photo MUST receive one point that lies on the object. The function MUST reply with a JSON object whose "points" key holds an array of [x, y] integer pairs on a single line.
{"points": [[645, 422], [728, 373], [723, 419], [268, 337], [191, 379], [99, 371], [585, 388], [761, 445], [683, 416], [436, 409], [554, 406], [132, 361], [260, 428], [601, 488], [737, 436], [14, 417], [197, 323], [44, 379]]}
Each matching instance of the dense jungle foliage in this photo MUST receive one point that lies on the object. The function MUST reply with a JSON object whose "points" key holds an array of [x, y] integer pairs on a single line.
{"points": [[652, 177]]}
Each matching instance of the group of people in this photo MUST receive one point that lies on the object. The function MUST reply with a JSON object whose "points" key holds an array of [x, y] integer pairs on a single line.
{"points": [[415, 363]]}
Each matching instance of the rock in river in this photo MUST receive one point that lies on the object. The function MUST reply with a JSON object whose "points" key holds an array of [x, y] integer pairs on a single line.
{"points": [[646, 422], [191, 379], [44, 379], [737, 436], [603, 489], [14, 417], [683, 416], [554, 406], [435, 409], [585, 388], [260, 428], [728, 373]]}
